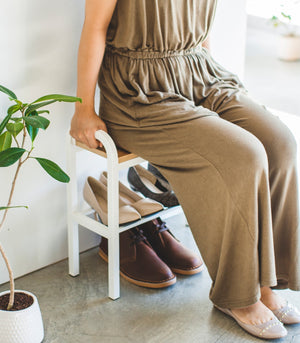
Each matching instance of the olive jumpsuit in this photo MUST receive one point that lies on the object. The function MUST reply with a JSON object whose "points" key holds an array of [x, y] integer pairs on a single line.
{"points": [[231, 163]]}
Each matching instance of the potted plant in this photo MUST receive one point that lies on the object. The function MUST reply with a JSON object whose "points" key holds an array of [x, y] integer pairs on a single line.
{"points": [[289, 40], [20, 316]]}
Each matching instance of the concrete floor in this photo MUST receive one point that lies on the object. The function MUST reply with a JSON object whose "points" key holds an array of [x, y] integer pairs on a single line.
{"points": [[77, 309]]}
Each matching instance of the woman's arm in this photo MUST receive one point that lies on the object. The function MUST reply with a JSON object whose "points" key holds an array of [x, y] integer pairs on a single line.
{"points": [[206, 44], [85, 121]]}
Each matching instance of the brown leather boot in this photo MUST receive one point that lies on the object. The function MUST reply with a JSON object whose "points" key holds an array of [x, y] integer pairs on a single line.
{"points": [[139, 263], [180, 259]]}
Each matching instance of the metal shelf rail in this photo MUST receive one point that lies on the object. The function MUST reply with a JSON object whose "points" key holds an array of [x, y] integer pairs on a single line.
{"points": [[117, 160]]}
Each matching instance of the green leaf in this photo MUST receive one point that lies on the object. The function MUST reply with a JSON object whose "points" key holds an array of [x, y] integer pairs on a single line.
{"points": [[14, 108], [5, 140], [34, 107], [32, 130], [10, 156], [43, 111], [53, 169], [4, 122], [14, 128], [37, 121], [4, 208], [19, 102], [58, 97], [17, 119], [10, 93], [287, 16]]}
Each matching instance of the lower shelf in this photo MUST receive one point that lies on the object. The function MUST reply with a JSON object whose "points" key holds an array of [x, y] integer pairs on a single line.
{"points": [[165, 213], [82, 218]]}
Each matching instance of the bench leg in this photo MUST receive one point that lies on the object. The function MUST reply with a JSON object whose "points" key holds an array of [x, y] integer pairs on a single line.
{"points": [[113, 228], [73, 248], [72, 200], [113, 266]]}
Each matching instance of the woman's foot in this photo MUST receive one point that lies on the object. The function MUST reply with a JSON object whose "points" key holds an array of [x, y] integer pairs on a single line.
{"points": [[271, 299], [285, 312], [261, 311], [257, 313], [257, 320]]}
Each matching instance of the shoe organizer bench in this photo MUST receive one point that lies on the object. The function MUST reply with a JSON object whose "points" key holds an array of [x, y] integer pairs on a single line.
{"points": [[117, 160]]}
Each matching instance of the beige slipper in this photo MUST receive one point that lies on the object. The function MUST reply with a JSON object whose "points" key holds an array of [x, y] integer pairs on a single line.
{"points": [[288, 314], [271, 329], [95, 194], [144, 206]]}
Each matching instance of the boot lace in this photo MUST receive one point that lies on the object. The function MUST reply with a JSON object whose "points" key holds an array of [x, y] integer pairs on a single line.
{"points": [[137, 236], [161, 227]]}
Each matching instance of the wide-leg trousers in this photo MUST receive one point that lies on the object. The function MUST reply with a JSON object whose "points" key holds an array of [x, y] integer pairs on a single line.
{"points": [[234, 174]]}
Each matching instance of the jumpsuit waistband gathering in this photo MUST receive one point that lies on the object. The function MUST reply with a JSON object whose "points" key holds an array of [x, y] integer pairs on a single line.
{"points": [[149, 54]]}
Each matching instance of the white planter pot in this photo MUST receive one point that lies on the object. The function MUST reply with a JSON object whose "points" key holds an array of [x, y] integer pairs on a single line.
{"points": [[23, 326], [289, 48]]}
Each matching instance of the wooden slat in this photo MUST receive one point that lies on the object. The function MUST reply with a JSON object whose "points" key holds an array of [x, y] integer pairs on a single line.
{"points": [[123, 155]]}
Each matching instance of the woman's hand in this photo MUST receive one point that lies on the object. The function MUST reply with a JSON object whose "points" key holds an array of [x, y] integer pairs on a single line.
{"points": [[84, 124], [85, 121]]}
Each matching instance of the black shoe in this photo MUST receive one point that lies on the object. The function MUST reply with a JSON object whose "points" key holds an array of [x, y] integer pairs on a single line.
{"points": [[157, 173], [142, 180]]}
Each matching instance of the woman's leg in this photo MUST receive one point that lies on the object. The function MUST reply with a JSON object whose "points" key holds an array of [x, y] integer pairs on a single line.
{"points": [[219, 173], [280, 147]]}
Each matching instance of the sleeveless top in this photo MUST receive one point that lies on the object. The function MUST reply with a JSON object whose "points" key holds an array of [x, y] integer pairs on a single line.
{"points": [[154, 70]]}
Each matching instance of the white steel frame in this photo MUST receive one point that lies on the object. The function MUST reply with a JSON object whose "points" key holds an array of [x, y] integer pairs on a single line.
{"points": [[115, 163]]}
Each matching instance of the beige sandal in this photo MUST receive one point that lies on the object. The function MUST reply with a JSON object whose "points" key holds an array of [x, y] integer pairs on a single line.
{"points": [[95, 194], [144, 206]]}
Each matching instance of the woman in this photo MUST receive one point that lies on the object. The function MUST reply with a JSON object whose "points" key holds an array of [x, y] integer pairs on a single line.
{"points": [[231, 163]]}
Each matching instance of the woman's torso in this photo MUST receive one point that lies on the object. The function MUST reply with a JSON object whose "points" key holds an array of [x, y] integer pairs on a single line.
{"points": [[160, 25], [154, 69]]}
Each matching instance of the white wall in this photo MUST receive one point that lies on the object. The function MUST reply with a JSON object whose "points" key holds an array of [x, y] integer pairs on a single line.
{"points": [[228, 35], [38, 41]]}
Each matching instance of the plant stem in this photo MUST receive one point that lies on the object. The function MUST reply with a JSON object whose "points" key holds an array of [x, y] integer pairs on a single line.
{"points": [[14, 180], [24, 130], [10, 272], [11, 193], [16, 142], [11, 280]]}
